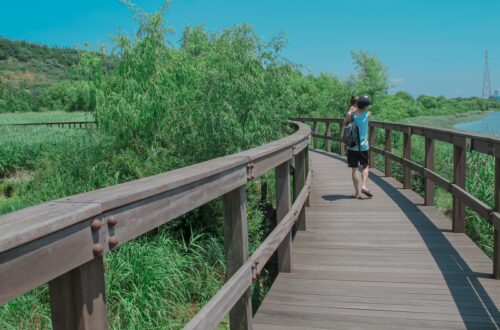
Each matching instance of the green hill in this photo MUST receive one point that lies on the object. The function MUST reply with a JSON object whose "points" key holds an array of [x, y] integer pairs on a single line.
{"points": [[34, 64], [36, 77]]}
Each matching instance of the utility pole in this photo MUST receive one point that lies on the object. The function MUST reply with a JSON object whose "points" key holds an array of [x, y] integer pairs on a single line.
{"points": [[486, 78]]}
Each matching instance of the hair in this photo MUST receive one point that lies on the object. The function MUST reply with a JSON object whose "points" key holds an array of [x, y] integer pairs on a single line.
{"points": [[354, 99]]}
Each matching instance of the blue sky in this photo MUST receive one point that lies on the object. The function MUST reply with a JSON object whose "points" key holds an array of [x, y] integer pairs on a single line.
{"points": [[431, 47]]}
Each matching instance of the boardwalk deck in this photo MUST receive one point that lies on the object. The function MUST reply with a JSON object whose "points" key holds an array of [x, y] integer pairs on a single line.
{"points": [[381, 263]]}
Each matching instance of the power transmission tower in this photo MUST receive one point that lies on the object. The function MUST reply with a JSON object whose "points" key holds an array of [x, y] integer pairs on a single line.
{"points": [[486, 79]]}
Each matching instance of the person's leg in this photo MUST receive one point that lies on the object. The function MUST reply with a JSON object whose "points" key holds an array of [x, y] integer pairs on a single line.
{"points": [[364, 176], [353, 163], [355, 181]]}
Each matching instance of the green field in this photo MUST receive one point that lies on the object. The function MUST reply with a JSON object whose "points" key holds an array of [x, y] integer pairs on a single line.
{"points": [[446, 121], [25, 152]]}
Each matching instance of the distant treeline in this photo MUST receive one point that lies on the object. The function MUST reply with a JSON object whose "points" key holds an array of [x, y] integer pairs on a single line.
{"points": [[25, 51], [36, 77]]}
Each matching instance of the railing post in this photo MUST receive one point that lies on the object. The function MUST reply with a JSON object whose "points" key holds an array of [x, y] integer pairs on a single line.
{"points": [[236, 248], [388, 148], [315, 133], [78, 298], [429, 164], [327, 138], [341, 144], [299, 182], [371, 143], [496, 232], [282, 208], [459, 156], [407, 155]]}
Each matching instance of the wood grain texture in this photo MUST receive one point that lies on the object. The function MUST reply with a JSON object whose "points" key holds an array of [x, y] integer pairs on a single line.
{"points": [[283, 204], [236, 251], [459, 166], [78, 298], [341, 144], [388, 148], [407, 156], [389, 262], [429, 164], [328, 135], [496, 231], [299, 180], [371, 143]]}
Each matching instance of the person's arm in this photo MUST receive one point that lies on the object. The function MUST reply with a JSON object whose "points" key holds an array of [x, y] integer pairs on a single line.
{"points": [[369, 115], [347, 118]]}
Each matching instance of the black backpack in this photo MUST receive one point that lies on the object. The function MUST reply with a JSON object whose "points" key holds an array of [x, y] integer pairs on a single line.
{"points": [[350, 135]]}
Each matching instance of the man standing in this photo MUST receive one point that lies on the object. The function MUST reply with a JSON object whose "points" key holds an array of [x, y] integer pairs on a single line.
{"points": [[358, 155]]}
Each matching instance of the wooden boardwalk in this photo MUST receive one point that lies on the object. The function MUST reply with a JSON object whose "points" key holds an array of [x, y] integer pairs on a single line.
{"points": [[381, 263]]}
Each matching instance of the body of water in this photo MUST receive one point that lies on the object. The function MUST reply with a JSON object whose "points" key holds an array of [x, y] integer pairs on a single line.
{"points": [[489, 125]]}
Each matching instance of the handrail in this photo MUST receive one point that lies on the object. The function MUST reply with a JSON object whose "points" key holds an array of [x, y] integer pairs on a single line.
{"points": [[462, 142], [215, 310], [62, 241]]}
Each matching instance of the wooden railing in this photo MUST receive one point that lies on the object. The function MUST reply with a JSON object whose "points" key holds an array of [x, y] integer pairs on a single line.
{"points": [[62, 242], [462, 143], [62, 124]]}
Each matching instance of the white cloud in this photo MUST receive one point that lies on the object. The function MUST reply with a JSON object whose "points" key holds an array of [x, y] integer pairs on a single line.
{"points": [[397, 80]]}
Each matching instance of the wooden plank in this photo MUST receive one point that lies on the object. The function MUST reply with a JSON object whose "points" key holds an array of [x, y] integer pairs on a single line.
{"points": [[407, 156], [32, 223], [236, 250], [263, 165], [214, 311], [496, 231], [414, 166], [388, 148], [341, 144], [459, 180], [327, 137], [474, 203], [283, 200], [315, 134], [78, 298], [299, 181], [439, 180], [371, 143], [429, 164], [36, 263]]}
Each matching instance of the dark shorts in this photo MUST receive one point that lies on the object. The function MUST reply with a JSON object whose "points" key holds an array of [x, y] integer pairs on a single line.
{"points": [[355, 158]]}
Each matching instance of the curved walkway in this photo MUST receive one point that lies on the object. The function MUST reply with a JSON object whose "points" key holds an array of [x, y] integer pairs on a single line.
{"points": [[381, 263]]}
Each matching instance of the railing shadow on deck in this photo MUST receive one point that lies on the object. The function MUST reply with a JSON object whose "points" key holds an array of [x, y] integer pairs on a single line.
{"points": [[468, 293]]}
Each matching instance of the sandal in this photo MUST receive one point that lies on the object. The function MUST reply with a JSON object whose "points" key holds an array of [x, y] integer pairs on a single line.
{"points": [[367, 193]]}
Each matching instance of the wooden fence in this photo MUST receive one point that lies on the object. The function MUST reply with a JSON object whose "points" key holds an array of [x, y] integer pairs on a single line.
{"points": [[62, 242], [462, 143], [61, 124]]}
